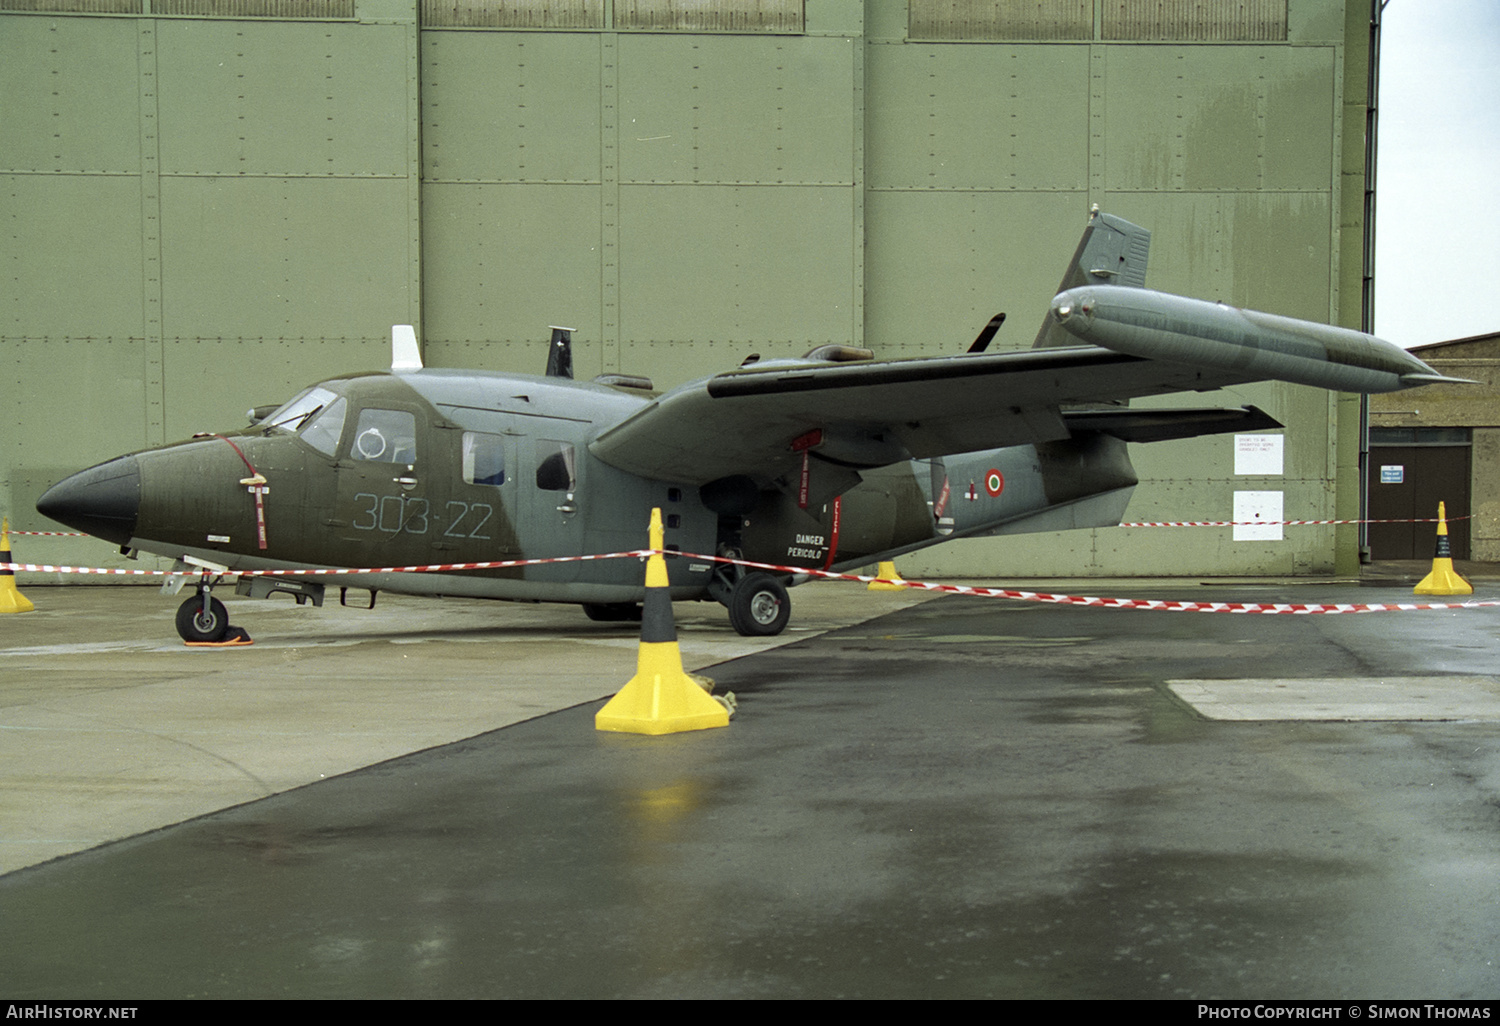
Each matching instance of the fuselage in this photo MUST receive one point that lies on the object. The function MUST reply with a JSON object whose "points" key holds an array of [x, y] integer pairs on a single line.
{"points": [[435, 467]]}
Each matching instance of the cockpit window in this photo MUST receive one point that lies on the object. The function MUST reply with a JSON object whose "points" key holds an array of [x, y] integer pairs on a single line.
{"points": [[385, 436], [322, 432], [293, 414]]}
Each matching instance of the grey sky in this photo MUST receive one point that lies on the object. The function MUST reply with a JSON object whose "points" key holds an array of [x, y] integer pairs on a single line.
{"points": [[1439, 159]]}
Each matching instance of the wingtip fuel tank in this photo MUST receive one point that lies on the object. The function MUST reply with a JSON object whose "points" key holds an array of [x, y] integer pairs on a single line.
{"points": [[1164, 327]]}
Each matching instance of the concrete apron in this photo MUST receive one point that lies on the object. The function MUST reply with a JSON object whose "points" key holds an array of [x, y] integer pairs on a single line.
{"points": [[110, 726]]}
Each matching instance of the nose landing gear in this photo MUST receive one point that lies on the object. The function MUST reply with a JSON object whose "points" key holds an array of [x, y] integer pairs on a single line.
{"points": [[203, 620]]}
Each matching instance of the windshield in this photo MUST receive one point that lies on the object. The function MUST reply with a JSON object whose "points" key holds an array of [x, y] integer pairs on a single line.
{"points": [[292, 415]]}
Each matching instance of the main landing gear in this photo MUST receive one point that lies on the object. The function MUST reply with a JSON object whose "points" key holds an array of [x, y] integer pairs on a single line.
{"points": [[758, 604]]}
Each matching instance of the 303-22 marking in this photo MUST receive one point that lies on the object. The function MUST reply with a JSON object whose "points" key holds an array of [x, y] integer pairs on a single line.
{"points": [[401, 514]]}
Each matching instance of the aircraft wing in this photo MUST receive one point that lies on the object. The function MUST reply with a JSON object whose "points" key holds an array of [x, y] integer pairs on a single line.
{"points": [[757, 420], [877, 412]]}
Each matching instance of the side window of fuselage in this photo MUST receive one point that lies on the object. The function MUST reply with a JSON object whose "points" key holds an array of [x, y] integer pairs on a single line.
{"points": [[554, 466], [385, 436], [484, 459]]}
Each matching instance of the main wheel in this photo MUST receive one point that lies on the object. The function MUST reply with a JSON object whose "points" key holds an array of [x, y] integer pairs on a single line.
{"points": [[759, 606], [196, 625]]}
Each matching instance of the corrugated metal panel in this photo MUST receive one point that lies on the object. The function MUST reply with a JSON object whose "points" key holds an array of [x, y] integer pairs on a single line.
{"points": [[1209, 20], [710, 15], [553, 14], [1001, 19], [256, 8], [73, 6]]}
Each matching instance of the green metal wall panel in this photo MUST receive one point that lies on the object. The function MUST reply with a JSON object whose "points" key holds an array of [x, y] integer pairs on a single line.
{"points": [[978, 117], [942, 263], [53, 118], [510, 107], [732, 109], [102, 389], [70, 263], [283, 257], [282, 98], [504, 261], [727, 263], [1220, 118]]}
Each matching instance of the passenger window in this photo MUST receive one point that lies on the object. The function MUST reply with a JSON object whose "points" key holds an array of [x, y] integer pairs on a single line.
{"points": [[554, 466], [385, 436], [484, 459], [326, 427]]}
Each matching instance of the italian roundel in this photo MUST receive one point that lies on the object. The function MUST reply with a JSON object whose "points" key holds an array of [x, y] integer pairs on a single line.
{"points": [[994, 482]]}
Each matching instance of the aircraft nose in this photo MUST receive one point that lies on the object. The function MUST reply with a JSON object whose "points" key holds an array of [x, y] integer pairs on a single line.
{"points": [[102, 501]]}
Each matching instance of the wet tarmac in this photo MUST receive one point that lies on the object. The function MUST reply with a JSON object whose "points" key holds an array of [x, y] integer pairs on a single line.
{"points": [[961, 798]]}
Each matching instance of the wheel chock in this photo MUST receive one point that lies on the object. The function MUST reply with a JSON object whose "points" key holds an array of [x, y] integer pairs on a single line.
{"points": [[11, 599], [1443, 580], [887, 573], [234, 637], [661, 698]]}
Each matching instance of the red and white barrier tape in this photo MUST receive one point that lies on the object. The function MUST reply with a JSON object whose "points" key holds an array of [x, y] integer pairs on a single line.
{"points": [[1114, 603], [1132, 523], [1276, 523], [431, 568], [947, 589]]}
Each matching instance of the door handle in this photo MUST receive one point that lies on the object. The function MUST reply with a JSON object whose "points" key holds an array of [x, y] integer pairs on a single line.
{"points": [[567, 507]]}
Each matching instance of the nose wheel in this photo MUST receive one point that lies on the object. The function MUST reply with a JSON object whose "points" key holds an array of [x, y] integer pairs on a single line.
{"points": [[202, 619]]}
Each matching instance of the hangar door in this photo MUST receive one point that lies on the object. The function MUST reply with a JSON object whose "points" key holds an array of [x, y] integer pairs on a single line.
{"points": [[1411, 471]]}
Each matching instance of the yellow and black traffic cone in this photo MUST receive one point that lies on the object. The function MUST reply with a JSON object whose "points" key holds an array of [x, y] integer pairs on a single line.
{"points": [[660, 698], [888, 575], [11, 600], [1443, 580]]}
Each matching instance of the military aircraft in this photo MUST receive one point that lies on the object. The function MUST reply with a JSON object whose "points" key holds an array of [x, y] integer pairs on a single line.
{"points": [[832, 461]]}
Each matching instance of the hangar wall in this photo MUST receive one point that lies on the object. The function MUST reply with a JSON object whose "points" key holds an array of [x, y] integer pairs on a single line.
{"points": [[209, 203]]}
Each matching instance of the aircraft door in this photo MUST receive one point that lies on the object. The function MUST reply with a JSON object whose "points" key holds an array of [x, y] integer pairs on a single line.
{"points": [[552, 512], [391, 489]]}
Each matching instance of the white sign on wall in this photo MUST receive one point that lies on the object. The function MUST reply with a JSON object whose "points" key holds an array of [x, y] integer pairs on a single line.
{"points": [[1257, 516], [1258, 454]]}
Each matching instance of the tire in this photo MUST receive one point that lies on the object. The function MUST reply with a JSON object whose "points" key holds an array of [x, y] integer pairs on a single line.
{"points": [[759, 606], [612, 612], [193, 625]]}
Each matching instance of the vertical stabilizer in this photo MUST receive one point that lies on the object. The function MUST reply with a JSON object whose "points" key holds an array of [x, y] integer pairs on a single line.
{"points": [[1112, 252]]}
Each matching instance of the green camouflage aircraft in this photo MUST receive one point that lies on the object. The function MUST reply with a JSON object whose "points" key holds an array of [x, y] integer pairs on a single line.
{"points": [[833, 461]]}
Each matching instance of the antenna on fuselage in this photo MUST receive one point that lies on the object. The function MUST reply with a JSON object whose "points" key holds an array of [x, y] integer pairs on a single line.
{"points": [[560, 353], [405, 356]]}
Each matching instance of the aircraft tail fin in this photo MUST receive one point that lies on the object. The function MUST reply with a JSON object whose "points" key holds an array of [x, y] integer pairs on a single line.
{"points": [[1112, 252], [405, 356]]}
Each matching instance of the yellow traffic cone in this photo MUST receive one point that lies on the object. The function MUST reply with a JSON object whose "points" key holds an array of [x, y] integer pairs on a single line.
{"points": [[887, 573], [1443, 580], [11, 600], [660, 698]]}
